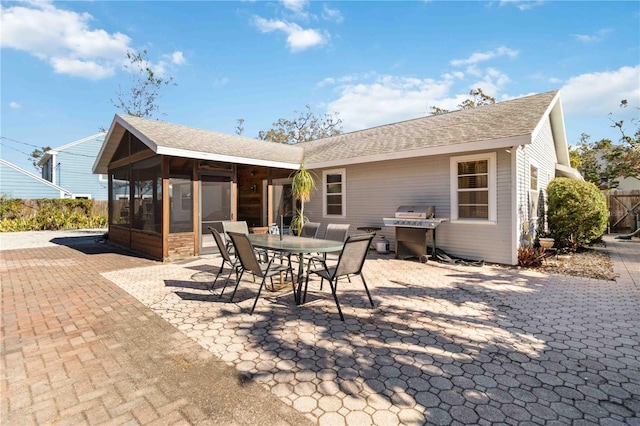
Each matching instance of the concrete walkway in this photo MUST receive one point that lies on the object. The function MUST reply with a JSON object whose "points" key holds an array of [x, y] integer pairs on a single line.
{"points": [[91, 334]]}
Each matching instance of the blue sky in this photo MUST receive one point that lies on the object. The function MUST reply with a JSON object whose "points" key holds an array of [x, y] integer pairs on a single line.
{"points": [[372, 62]]}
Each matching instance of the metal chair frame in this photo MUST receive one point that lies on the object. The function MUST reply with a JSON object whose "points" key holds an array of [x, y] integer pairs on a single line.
{"points": [[350, 262], [250, 261], [234, 264]]}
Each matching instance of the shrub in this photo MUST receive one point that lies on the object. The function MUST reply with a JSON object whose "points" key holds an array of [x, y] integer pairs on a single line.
{"points": [[577, 211], [48, 214], [530, 256]]}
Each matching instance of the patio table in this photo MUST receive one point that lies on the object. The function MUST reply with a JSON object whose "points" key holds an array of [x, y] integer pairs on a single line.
{"points": [[299, 245]]}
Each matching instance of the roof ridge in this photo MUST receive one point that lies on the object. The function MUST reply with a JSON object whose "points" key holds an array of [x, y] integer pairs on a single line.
{"points": [[458, 111]]}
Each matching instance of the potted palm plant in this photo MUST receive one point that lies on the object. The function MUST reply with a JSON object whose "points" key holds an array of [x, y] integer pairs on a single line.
{"points": [[302, 185]]}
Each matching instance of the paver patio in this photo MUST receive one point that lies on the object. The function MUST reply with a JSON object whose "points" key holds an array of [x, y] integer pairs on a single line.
{"points": [[91, 335]]}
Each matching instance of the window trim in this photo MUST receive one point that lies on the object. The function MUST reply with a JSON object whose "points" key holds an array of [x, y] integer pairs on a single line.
{"points": [[343, 173], [490, 157], [537, 166]]}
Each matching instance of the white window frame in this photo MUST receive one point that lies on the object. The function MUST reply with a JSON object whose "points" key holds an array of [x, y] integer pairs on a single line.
{"points": [[81, 196], [343, 173], [490, 157], [531, 165]]}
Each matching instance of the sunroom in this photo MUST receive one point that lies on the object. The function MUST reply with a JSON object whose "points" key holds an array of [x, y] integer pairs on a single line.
{"points": [[169, 183]]}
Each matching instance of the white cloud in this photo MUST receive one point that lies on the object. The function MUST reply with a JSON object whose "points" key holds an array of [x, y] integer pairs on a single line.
{"points": [[523, 4], [485, 56], [296, 6], [591, 38], [79, 68], [332, 14], [343, 79], [221, 81], [15, 105], [389, 99], [598, 94], [368, 100], [298, 38], [66, 41], [178, 58], [63, 38], [492, 82]]}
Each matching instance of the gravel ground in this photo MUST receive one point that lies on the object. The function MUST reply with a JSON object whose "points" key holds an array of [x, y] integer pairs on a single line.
{"points": [[591, 262]]}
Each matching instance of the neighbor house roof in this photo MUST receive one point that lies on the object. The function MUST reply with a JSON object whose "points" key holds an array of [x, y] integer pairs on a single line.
{"points": [[503, 124], [54, 151], [183, 141], [27, 185]]}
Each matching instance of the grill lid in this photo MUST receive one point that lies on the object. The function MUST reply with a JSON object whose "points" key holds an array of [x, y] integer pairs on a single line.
{"points": [[415, 212]]}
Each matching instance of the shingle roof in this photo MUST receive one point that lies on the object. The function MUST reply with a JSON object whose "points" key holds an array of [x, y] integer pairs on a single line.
{"points": [[516, 117], [168, 136], [503, 120]]}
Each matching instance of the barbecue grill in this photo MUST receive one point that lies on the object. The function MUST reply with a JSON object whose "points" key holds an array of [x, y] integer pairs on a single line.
{"points": [[411, 224]]}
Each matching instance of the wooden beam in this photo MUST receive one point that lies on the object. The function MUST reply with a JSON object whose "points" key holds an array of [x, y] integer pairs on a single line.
{"points": [[195, 199], [165, 207], [132, 159]]}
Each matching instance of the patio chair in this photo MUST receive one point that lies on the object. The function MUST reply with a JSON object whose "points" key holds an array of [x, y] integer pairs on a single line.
{"points": [[350, 262], [310, 230], [234, 263], [237, 226], [334, 232], [250, 261]]}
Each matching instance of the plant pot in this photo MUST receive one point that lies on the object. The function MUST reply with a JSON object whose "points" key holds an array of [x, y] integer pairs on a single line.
{"points": [[546, 243]]}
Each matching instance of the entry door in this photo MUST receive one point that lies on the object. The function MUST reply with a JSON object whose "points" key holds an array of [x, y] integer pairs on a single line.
{"points": [[215, 205]]}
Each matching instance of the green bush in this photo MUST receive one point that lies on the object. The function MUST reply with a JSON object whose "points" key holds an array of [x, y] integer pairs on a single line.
{"points": [[48, 214], [577, 211]]}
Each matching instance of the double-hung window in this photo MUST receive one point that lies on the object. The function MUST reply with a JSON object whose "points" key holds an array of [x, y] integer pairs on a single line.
{"points": [[473, 187], [533, 176], [335, 191]]}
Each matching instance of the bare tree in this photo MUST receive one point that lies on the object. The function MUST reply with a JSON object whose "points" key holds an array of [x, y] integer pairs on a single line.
{"points": [[140, 99]]}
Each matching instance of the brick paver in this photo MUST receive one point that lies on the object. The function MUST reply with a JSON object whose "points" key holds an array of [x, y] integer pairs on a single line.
{"points": [[444, 345], [76, 349]]}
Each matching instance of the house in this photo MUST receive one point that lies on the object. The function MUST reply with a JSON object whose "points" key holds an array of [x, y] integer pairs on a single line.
{"points": [[70, 166], [484, 169], [16, 182]]}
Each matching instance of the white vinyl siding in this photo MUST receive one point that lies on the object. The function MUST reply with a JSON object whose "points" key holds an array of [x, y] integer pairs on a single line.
{"points": [[73, 168], [377, 189], [335, 191], [541, 154], [473, 187]]}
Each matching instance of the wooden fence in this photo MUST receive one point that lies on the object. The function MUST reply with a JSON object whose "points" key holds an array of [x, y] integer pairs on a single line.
{"points": [[100, 207], [624, 210]]}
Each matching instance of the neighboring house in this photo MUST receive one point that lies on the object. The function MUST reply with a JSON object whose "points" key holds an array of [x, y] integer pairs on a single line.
{"points": [[483, 169], [629, 184], [70, 166], [19, 183]]}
